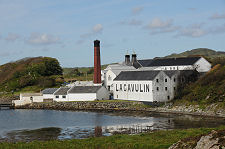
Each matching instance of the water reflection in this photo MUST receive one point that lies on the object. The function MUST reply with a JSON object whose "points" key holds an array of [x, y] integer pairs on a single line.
{"points": [[28, 125]]}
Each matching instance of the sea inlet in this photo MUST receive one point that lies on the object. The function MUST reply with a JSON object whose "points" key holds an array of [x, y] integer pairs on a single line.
{"points": [[29, 125]]}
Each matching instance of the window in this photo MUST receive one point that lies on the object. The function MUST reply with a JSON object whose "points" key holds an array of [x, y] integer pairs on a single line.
{"points": [[168, 97], [174, 79], [108, 88], [165, 80], [56, 96], [166, 88], [157, 80], [157, 88], [63, 96], [117, 96], [109, 78], [174, 88]]}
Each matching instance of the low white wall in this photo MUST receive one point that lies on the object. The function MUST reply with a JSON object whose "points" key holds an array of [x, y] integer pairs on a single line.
{"points": [[37, 98], [82, 97], [48, 96], [21, 102]]}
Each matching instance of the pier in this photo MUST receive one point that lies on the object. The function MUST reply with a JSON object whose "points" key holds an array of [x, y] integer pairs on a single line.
{"points": [[7, 106]]}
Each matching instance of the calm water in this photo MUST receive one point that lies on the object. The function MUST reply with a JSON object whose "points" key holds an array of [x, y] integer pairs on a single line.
{"points": [[27, 125]]}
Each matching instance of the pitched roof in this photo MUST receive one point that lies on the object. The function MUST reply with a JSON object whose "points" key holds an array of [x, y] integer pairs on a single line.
{"points": [[170, 73], [137, 75], [49, 90], [169, 61], [30, 94], [84, 89], [62, 91]]}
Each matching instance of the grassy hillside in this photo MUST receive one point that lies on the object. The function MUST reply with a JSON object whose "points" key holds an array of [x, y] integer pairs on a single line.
{"points": [[80, 73], [200, 51], [32, 73], [208, 89]]}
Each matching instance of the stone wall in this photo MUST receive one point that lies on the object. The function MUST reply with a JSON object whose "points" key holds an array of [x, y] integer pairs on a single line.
{"points": [[212, 110], [85, 105]]}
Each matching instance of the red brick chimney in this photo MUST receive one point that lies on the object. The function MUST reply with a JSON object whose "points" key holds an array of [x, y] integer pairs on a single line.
{"points": [[97, 63]]}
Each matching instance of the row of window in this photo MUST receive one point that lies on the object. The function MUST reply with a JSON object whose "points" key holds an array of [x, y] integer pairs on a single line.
{"points": [[62, 96], [157, 88], [157, 80]]}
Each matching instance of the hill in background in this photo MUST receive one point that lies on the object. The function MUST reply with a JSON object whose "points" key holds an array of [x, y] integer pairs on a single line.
{"points": [[200, 51], [35, 73]]}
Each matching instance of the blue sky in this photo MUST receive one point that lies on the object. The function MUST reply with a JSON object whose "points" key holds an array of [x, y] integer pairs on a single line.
{"points": [[66, 29]]}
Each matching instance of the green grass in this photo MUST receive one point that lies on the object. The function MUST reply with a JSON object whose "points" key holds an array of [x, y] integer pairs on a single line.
{"points": [[157, 140]]}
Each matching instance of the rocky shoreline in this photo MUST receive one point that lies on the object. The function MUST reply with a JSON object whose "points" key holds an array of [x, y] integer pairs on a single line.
{"points": [[114, 106]]}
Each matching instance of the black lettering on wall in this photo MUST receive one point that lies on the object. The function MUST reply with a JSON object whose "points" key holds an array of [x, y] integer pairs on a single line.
{"points": [[121, 87], [125, 87], [116, 88], [128, 88], [132, 87], [136, 87], [147, 88], [141, 89]]}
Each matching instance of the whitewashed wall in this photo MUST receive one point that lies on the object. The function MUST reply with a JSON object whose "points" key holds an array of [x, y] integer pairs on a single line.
{"points": [[109, 77], [82, 96], [202, 65], [37, 98], [162, 95], [135, 93], [60, 99], [21, 102], [48, 96]]}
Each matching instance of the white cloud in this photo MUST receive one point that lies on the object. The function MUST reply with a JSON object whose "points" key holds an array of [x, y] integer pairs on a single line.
{"points": [[217, 29], [42, 39], [11, 37], [159, 26], [157, 23], [194, 30], [132, 22], [97, 28], [165, 30], [137, 10], [218, 16]]}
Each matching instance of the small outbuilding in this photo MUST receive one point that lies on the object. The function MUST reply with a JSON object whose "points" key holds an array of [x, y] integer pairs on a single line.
{"points": [[61, 94], [88, 93], [48, 93]]}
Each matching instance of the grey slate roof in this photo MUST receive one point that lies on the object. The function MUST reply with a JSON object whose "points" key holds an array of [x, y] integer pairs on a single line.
{"points": [[169, 61], [49, 90], [84, 89], [62, 91], [136, 75], [170, 73]]}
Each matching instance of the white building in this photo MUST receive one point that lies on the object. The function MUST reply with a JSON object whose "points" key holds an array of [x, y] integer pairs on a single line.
{"points": [[61, 94], [149, 86], [183, 63], [87, 93], [28, 98], [112, 71], [48, 93]]}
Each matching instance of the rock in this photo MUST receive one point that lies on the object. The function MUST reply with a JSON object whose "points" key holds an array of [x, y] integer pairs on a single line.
{"points": [[213, 140]]}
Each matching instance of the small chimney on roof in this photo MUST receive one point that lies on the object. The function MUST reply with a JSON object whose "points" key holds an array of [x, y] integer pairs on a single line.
{"points": [[127, 59], [134, 58]]}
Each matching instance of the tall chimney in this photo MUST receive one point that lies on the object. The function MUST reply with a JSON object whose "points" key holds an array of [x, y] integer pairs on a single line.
{"points": [[97, 63], [127, 59]]}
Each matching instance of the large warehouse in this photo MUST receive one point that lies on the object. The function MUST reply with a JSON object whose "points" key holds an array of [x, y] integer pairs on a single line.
{"points": [[149, 86]]}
